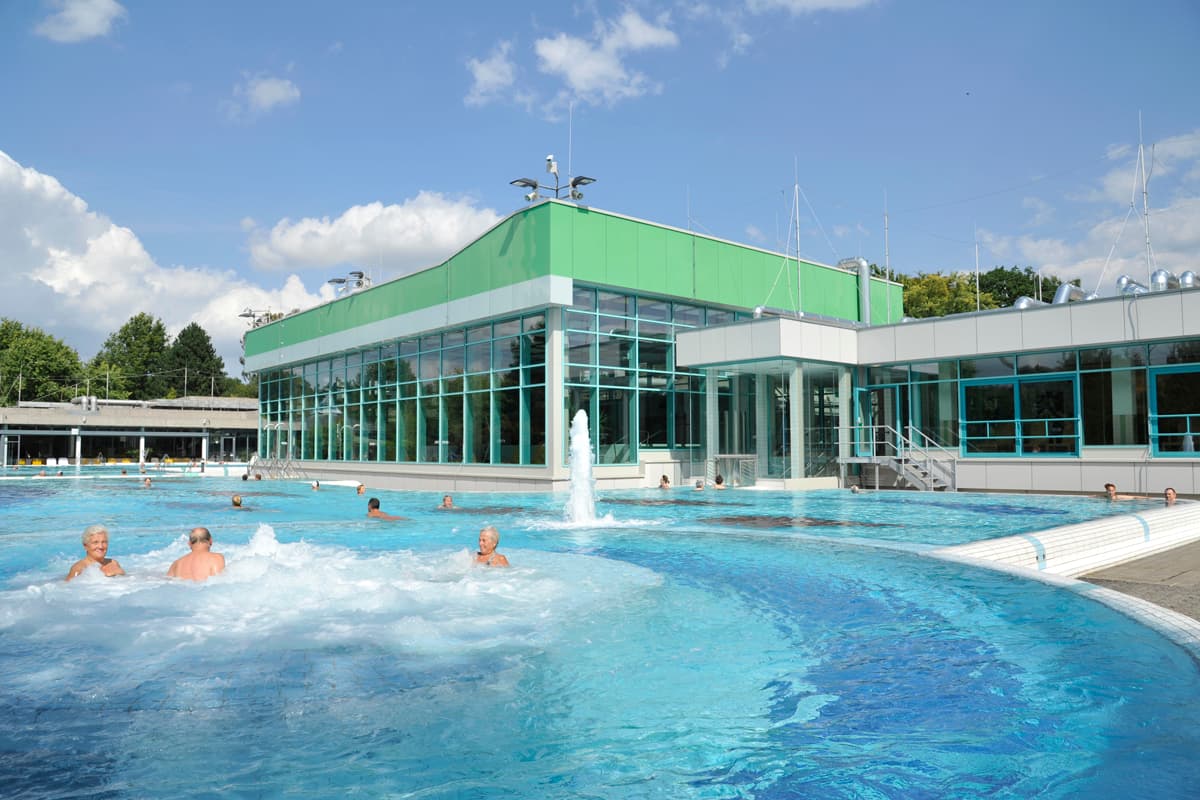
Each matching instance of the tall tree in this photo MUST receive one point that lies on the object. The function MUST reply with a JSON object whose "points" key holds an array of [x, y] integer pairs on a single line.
{"points": [[193, 364], [139, 349], [1006, 284], [36, 366], [107, 380], [934, 295]]}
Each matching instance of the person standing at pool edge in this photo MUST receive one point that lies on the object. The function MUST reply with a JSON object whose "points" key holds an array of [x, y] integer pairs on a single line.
{"points": [[95, 544], [200, 564], [489, 537]]}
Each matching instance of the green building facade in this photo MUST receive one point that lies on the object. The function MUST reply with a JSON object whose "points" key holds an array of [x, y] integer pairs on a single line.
{"points": [[467, 373]]}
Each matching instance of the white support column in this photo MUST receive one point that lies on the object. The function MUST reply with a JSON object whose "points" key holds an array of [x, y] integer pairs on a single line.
{"points": [[204, 448], [3, 451], [78, 447], [142, 449], [846, 419], [796, 416], [712, 420], [557, 426], [763, 408]]}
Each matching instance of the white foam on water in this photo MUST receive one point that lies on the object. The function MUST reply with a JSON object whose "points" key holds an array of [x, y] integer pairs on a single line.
{"points": [[581, 507], [309, 596]]}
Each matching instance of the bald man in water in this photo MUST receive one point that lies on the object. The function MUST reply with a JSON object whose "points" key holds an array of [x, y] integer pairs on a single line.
{"points": [[200, 564]]}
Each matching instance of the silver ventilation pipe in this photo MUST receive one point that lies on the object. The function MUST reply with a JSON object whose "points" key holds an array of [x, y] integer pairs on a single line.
{"points": [[1187, 280], [1162, 280], [864, 284], [1025, 301], [1127, 285], [1068, 292]]}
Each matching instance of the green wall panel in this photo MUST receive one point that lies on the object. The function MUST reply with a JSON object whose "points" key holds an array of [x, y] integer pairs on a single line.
{"points": [[592, 247]]}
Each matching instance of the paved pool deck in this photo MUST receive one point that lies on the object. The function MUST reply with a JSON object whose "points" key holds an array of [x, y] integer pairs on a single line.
{"points": [[1170, 579]]}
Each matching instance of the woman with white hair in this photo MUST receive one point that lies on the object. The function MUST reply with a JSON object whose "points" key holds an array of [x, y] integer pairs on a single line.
{"points": [[95, 545], [489, 537]]}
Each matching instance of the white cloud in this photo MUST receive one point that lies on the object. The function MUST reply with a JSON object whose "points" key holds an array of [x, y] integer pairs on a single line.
{"points": [[491, 77], [258, 94], [417, 233], [77, 275], [77, 20], [798, 7], [1043, 212], [594, 69]]}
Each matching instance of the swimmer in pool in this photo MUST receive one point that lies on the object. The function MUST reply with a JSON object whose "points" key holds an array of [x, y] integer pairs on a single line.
{"points": [[1110, 493], [201, 563], [489, 537], [375, 512], [447, 503], [1169, 496], [147, 483], [664, 482], [95, 544], [362, 489], [237, 503]]}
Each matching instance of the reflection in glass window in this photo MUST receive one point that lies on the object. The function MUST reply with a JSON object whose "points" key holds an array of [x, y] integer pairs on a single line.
{"points": [[1114, 406], [989, 418], [1176, 416]]}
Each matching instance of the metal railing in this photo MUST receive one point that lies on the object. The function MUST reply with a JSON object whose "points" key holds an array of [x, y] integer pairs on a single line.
{"points": [[918, 458], [276, 468]]}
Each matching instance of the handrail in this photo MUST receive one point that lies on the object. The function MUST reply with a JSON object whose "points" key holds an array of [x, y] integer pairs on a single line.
{"points": [[932, 456]]}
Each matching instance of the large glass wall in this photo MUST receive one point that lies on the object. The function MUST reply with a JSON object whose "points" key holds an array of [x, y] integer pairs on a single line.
{"points": [[620, 369], [1055, 403], [463, 395]]}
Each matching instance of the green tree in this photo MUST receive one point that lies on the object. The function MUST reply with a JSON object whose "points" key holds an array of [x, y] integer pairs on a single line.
{"points": [[236, 388], [193, 365], [107, 380], [35, 365], [1006, 284], [935, 295], [139, 350]]}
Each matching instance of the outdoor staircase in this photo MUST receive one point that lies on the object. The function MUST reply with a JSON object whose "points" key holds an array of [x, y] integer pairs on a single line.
{"points": [[916, 460]]}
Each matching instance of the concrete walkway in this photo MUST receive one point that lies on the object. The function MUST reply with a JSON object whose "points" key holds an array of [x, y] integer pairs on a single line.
{"points": [[1170, 579]]}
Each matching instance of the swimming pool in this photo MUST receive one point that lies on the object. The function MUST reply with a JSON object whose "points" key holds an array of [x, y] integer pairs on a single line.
{"points": [[723, 644]]}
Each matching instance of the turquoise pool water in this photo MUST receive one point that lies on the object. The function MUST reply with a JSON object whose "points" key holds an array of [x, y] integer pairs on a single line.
{"points": [[691, 644]]}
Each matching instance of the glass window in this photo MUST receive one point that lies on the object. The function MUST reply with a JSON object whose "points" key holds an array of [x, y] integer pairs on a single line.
{"points": [[935, 371], [431, 342], [453, 338], [535, 323], [1114, 406], [986, 367], [479, 357], [688, 315], [1175, 353], [506, 353], [584, 297], [657, 310], [453, 360], [480, 333], [1175, 422], [654, 355], [580, 322], [989, 418], [508, 411], [653, 418], [1063, 361], [1048, 417], [883, 375], [655, 330], [1113, 357], [613, 303], [509, 327]]}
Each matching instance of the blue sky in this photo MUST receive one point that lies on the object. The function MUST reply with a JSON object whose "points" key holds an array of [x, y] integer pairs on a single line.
{"points": [[192, 159]]}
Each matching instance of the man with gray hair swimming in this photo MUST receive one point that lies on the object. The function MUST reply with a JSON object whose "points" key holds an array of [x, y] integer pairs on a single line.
{"points": [[200, 564], [95, 544]]}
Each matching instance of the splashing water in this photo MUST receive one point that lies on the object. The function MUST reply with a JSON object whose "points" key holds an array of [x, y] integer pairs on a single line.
{"points": [[581, 508]]}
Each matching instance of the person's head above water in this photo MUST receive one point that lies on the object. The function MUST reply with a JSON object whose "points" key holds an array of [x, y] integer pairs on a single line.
{"points": [[316, 485], [489, 538], [362, 489], [95, 547], [373, 504], [1169, 496], [237, 501], [447, 501], [199, 536]]}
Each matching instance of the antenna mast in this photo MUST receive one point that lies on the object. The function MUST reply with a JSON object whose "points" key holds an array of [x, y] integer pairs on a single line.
{"points": [[887, 259], [796, 205], [1145, 200]]}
